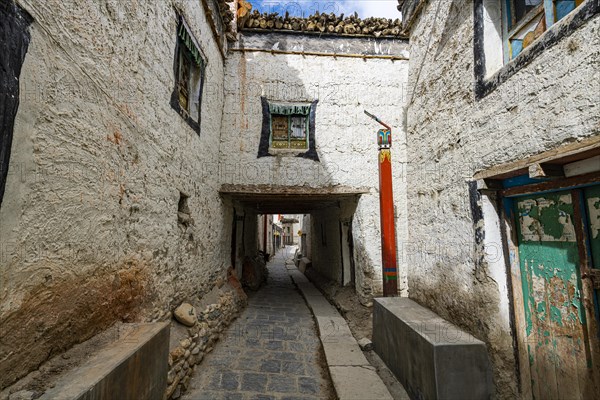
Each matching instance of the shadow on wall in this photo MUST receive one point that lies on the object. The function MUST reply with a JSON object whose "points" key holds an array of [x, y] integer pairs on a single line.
{"points": [[45, 316], [14, 42], [247, 160], [435, 284], [259, 161], [90, 232], [335, 253], [365, 274]]}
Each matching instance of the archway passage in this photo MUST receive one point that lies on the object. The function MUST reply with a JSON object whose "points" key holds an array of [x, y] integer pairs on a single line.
{"points": [[273, 348], [325, 216]]}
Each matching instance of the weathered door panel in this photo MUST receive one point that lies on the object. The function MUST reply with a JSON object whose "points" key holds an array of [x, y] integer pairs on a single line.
{"points": [[591, 271], [592, 204], [551, 284]]}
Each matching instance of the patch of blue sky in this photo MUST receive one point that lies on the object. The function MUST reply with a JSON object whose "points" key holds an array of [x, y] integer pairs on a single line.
{"points": [[304, 8]]}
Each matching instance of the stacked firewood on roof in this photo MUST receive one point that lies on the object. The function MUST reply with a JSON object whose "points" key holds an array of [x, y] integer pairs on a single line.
{"points": [[226, 14], [318, 22]]}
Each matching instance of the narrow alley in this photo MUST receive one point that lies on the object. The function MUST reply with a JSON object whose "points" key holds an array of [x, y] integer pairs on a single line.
{"points": [[340, 200], [272, 351]]}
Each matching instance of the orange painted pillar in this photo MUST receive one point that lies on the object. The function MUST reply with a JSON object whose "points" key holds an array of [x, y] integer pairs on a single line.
{"points": [[388, 226]]}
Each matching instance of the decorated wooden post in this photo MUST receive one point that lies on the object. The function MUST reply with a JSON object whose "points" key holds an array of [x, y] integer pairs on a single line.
{"points": [[386, 209]]}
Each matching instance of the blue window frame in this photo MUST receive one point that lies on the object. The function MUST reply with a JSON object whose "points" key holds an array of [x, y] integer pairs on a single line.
{"points": [[526, 20]]}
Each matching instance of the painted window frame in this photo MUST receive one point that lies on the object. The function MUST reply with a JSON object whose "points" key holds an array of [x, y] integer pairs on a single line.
{"points": [[289, 133], [270, 107], [188, 53], [546, 14], [491, 70]]}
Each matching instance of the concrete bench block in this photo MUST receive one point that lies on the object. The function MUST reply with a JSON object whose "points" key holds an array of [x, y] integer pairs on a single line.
{"points": [[132, 368], [432, 358]]}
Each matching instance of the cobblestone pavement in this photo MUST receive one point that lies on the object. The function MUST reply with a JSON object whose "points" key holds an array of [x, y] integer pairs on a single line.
{"points": [[271, 351]]}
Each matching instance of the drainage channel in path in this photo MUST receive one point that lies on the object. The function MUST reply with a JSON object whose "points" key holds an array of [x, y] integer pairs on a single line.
{"points": [[272, 351]]}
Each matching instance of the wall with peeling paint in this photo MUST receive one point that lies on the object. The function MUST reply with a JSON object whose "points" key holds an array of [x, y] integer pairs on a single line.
{"points": [[452, 262], [555, 322], [345, 137], [89, 232]]}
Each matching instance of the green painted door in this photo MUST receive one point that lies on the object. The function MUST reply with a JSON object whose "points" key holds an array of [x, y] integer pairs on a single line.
{"points": [[552, 296]]}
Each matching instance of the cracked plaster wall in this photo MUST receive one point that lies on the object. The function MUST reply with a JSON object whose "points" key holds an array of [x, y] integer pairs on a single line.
{"points": [[89, 228], [450, 136]]}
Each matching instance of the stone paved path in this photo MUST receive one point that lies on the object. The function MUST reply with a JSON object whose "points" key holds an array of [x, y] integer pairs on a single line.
{"points": [[271, 351]]}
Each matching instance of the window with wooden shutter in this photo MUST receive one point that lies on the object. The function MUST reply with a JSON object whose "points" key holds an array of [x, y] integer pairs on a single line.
{"points": [[527, 20], [189, 76]]}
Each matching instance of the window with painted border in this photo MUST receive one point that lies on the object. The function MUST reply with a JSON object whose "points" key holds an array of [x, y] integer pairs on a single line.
{"points": [[288, 129], [189, 68], [509, 34], [289, 126], [527, 20]]}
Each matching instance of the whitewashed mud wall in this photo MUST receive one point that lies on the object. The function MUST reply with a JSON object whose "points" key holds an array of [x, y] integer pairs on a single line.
{"points": [[551, 101], [88, 226], [345, 137]]}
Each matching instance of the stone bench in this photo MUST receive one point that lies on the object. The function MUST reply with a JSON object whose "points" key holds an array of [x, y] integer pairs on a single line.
{"points": [[132, 368], [432, 358]]}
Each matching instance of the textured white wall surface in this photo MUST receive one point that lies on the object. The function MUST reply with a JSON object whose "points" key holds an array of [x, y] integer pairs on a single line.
{"points": [[450, 136], [89, 227], [345, 137], [89, 232]]}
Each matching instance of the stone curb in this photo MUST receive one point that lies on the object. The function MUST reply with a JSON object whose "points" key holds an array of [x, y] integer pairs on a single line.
{"points": [[354, 378]]}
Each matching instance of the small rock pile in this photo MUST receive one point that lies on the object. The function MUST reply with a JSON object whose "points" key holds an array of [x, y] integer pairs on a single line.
{"points": [[323, 23], [203, 331]]}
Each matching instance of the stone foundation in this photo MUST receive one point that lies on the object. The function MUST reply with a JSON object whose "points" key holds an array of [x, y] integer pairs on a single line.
{"points": [[189, 345]]}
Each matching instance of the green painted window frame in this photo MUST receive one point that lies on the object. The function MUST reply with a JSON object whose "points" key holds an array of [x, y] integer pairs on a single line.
{"points": [[189, 53], [196, 72]]}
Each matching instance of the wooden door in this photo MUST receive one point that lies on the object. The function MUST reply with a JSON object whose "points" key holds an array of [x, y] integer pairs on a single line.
{"points": [[555, 318], [591, 200]]}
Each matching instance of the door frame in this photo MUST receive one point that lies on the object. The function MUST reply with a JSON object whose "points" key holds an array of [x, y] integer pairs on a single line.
{"points": [[511, 248], [346, 253]]}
